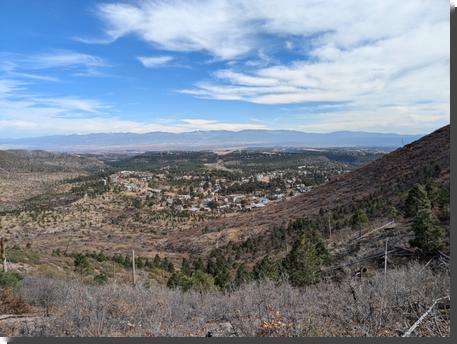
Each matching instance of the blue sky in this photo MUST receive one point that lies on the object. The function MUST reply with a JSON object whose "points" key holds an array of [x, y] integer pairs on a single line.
{"points": [[138, 66]]}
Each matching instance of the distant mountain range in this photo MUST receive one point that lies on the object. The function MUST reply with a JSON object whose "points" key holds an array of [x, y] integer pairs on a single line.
{"points": [[205, 140]]}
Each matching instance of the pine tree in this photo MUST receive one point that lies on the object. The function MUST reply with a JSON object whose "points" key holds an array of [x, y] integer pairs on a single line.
{"points": [[267, 268], [157, 262], [359, 220], [428, 233], [417, 199], [242, 275], [392, 213], [185, 267], [303, 263], [81, 264], [201, 281], [198, 264]]}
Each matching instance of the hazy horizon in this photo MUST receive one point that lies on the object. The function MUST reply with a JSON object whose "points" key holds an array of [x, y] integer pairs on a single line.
{"points": [[221, 130]]}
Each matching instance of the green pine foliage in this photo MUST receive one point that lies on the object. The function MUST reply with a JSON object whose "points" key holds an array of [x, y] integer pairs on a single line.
{"points": [[82, 264], [303, 263], [267, 268], [417, 199], [428, 232], [10, 279], [359, 220], [199, 281]]}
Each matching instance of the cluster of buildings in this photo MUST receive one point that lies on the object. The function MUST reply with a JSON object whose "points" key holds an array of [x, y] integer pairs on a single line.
{"points": [[196, 195]]}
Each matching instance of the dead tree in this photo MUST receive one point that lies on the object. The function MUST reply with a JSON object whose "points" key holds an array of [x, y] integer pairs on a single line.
{"points": [[2, 253]]}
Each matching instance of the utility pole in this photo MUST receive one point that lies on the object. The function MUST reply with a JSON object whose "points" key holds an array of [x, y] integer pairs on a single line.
{"points": [[329, 227], [385, 261], [2, 253], [133, 267]]}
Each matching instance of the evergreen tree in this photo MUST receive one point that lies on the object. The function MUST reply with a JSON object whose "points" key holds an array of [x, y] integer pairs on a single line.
{"points": [[392, 213], [222, 279], [201, 281], [198, 264], [303, 263], [433, 192], [417, 199], [428, 233], [178, 280], [81, 264], [242, 275], [157, 262], [185, 267], [139, 262], [359, 220], [267, 268], [167, 265], [101, 278]]}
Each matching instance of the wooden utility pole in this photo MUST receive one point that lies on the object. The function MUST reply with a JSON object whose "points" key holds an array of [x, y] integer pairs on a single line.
{"points": [[329, 227], [133, 267], [114, 271], [2, 253], [385, 261]]}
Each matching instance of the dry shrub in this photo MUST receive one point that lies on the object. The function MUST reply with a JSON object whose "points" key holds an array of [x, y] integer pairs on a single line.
{"points": [[12, 303], [376, 306], [276, 326]]}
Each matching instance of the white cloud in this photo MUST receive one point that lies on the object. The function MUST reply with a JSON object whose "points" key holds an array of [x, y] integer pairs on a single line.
{"points": [[60, 59], [370, 55], [230, 28], [155, 61], [202, 124], [26, 114], [219, 27], [79, 64]]}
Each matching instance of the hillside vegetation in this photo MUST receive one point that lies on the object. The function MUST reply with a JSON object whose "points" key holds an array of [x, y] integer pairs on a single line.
{"points": [[312, 263]]}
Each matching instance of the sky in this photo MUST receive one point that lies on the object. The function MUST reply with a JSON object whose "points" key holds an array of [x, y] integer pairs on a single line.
{"points": [[153, 65]]}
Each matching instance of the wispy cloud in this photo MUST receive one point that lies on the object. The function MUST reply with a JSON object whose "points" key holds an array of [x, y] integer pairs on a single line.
{"points": [[370, 55], [202, 124], [155, 61], [29, 114], [79, 64], [218, 27]]}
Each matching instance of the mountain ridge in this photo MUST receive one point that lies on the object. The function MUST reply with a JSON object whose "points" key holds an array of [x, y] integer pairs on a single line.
{"points": [[212, 139]]}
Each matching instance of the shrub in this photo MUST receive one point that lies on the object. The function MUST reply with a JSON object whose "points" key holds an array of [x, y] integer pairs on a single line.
{"points": [[10, 279], [101, 278], [201, 281], [12, 303], [384, 305], [81, 264]]}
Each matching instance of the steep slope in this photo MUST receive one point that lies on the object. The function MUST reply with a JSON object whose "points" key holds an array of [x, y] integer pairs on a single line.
{"points": [[385, 178]]}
